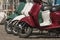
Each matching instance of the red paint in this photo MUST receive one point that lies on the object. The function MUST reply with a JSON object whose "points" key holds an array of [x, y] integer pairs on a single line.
{"points": [[28, 20], [34, 13]]}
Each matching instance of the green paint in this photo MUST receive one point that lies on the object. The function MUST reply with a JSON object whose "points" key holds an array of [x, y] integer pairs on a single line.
{"points": [[20, 7], [18, 11], [40, 17], [12, 16]]}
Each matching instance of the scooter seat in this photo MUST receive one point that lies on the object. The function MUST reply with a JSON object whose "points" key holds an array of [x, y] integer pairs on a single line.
{"points": [[52, 8], [56, 8], [37, 1]]}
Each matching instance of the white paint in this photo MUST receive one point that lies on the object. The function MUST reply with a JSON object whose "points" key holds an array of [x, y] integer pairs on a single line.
{"points": [[24, 8], [27, 8], [25, 11], [19, 17], [46, 18]]}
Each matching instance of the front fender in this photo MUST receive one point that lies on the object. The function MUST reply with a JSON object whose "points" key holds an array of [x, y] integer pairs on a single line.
{"points": [[28, 20], [18, 17]]}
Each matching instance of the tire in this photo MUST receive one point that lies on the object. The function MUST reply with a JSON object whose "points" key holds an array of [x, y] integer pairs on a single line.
{"points": [[27, 33], [15, 27], [8, 28]]}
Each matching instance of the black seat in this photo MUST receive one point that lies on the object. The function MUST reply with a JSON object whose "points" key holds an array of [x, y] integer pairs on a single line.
{"points": [[51, 8], [37, 1], [56, 8], [46, 7]]}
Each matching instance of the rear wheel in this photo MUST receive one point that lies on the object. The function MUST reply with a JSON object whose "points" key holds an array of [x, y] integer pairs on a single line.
{"points": [[25, 31]]}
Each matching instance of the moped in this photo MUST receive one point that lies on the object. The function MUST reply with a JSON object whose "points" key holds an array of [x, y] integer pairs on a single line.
{"points": [[15, 20], [50, 20], [9, 19]]}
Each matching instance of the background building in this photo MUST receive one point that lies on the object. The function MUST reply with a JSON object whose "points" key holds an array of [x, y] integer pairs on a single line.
{"points": [[9, 5]]}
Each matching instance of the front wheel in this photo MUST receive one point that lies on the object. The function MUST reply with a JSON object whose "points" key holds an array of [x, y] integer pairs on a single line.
{"points": [[8, 29], [15, 27], [25, 31]]}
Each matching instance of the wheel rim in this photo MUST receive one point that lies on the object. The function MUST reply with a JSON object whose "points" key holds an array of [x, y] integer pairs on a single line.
{"points": [[15, 31], [24, 31], [8, 28]]}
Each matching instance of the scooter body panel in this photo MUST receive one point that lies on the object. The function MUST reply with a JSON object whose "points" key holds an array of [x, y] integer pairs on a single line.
{"points": [[29, 21], [12, 16], [25, 11], [18, 17], [35, 12], [27, 8], [55, 17], [18, 11], [32, 19], [20, 7]]}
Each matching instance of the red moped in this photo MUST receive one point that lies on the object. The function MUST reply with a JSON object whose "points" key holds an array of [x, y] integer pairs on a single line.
{"points": [[50, 23]]}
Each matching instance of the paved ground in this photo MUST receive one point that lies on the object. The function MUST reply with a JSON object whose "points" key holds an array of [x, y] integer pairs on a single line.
{"points": [[5, 36]]}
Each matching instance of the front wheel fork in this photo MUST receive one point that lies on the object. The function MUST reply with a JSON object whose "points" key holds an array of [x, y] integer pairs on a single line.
{"points": [[21, 25]]}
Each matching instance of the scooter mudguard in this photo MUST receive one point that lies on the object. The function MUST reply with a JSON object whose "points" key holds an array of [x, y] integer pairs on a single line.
{"points": [[28, 20], [18, 11], [18, 17]]}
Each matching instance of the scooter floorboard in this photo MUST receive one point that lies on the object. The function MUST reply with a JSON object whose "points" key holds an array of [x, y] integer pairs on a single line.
{"points": [[37, 35]]}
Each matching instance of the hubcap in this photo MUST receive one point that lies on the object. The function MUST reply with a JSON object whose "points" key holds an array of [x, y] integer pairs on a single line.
{"points": [[25, 30]]}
